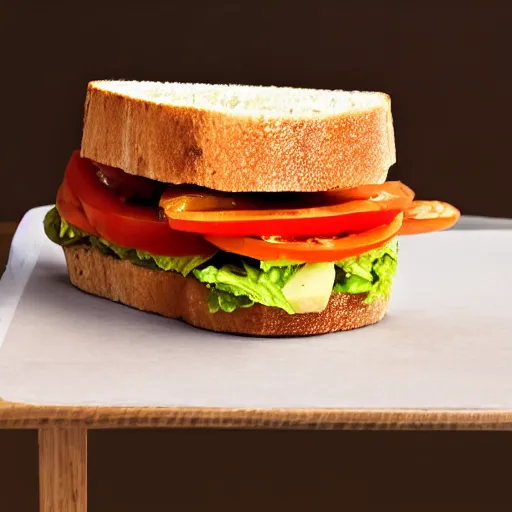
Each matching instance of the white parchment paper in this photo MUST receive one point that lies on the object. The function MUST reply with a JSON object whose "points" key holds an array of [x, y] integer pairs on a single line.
{"points": [[446, 342]]}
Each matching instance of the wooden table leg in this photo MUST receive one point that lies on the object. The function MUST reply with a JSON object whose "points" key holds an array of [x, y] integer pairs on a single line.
{"points": [[63, 469]]}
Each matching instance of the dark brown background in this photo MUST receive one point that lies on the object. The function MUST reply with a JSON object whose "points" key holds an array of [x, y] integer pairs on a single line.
{"points": [[448, 71]]}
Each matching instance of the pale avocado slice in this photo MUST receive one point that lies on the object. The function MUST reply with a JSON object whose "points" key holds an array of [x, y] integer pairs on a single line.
{"points": [[308, 291]]}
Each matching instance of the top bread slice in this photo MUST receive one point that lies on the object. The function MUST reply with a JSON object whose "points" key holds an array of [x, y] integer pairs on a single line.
{"points": [[240, 138]]}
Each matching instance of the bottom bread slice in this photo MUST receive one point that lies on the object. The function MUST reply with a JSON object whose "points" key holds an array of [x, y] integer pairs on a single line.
{"points": [[174, 296]]}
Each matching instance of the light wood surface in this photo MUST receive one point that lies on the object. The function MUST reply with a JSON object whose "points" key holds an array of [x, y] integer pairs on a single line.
{"points": [[63, 469], [22, 416], [30, 416]]}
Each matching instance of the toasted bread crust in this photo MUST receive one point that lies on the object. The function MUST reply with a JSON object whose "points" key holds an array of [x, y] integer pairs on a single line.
{"points": [[174, 296], [179, 144]]}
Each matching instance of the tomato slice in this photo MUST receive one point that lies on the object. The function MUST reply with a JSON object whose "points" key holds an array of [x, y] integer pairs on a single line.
{"points": [[189, 198], [428, 216], [71, 210], [344, 211], [394, 193], [311, 250], [127, 185], [123, 224]]}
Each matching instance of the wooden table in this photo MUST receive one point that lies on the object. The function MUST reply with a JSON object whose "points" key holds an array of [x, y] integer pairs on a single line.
{"points": [[63, 430]]}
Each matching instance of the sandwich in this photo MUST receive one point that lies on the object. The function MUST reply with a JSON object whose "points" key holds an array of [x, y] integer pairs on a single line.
{"points": [[242, 209]]}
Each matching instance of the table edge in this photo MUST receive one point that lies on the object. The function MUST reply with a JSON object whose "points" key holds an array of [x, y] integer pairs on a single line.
{"points": [[25, 416]]}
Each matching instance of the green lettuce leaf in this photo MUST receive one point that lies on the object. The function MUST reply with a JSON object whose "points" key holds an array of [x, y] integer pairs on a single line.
{"points": [[266, 265], [182, 264], [62, 233], [371, 272], [59, 231], [223, 301], [255, 285]]}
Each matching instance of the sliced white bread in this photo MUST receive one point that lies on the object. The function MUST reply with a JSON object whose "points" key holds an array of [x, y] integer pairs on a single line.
{"points": [[240, 138]]}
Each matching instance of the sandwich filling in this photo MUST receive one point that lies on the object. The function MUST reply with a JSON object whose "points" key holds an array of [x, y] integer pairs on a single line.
{"points": [[284, 250], [240, 282]]}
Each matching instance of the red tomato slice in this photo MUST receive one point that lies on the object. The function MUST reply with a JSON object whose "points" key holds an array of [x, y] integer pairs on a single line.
{"points": [[428, 216], [350, 211], [123, 224], [394, 193], [312, 250], [71, 210], [127, 185], [189, 198]]}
